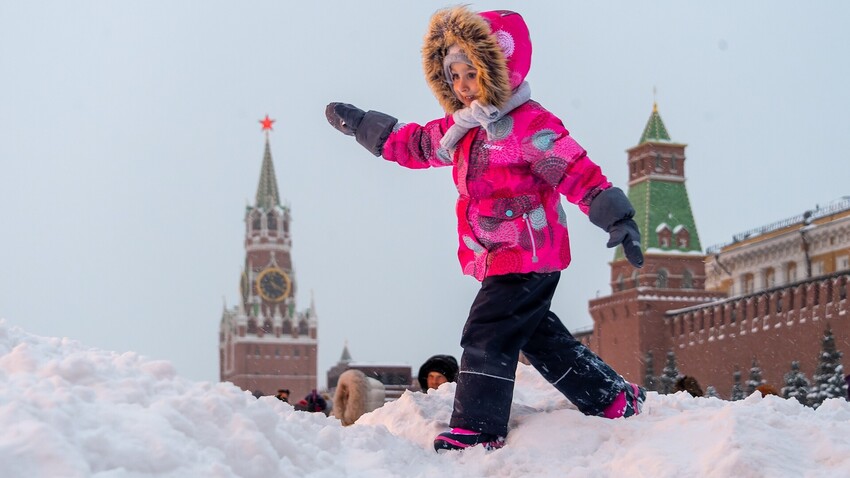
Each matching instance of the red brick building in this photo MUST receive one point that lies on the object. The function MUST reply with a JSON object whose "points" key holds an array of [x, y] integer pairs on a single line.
{"points": [[265, 343], [718, 311]]}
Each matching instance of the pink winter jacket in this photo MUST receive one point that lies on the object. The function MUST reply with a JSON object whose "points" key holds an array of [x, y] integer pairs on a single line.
{"points": [[509, 213]]}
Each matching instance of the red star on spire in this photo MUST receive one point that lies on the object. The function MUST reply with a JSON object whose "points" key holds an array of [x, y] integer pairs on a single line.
{"points": [[267, 123]]}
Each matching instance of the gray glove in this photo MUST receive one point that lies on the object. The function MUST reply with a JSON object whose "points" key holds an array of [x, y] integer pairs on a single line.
{"points": [[371, 128], [612, 211]]}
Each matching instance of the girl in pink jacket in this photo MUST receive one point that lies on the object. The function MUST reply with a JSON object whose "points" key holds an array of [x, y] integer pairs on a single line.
{"points": [[511, 160]]}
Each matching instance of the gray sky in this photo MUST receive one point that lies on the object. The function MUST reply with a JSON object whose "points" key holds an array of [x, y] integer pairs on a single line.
{"points": [[130, 146]]}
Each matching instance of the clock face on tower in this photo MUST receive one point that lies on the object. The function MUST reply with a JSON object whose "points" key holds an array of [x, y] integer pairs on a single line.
{"points": [[273, 284]]}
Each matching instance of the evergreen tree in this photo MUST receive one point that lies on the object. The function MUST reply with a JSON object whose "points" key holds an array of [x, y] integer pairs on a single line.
{"points": [[829, 377], [737, 391], [796, 384], [755, 378], [650, 381], [710, 391], [670, 374]]}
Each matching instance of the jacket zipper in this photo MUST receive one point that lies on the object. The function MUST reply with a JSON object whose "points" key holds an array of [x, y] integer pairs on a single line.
{"points": [[530, 235]]}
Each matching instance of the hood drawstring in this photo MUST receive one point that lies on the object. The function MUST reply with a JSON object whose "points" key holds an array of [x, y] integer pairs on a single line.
{"points": [[531, 235]]}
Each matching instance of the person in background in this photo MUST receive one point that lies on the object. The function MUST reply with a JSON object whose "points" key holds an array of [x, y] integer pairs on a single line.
{"points": [[436, 371], [355, 395], [688, 384], [283, 395], [314, 402], [511, 162], [766, 390]]}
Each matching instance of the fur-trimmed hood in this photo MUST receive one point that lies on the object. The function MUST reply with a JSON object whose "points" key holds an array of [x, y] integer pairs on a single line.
{"points": [[497, 43]]}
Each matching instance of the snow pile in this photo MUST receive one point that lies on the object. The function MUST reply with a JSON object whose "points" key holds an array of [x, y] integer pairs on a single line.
{"points": [[70, 411]]}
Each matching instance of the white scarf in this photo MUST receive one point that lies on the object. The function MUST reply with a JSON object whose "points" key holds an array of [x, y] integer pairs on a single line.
{"points": [[477, 114]]}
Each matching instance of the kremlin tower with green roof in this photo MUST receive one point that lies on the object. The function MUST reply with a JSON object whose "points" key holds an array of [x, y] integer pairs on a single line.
{"points": [[630, 323]]}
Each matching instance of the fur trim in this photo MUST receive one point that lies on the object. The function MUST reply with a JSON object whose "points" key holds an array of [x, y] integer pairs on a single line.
{"points": [[472, 33], [355, 395]]}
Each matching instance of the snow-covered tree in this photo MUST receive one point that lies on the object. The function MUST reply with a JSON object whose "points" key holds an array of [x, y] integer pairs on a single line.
{"points": [[737, 391], [755, 378], [710, 391], [650, 381], [796, 384], [829, 377], [670, 374]]}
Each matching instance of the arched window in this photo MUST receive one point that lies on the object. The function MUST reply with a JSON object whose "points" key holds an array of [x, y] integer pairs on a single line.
{"points": [[683, 237], [271, 220], [673, 166], [658, 167], [664, 234], [287, 327], [620, 283], [687, 280], [661, 279], [792, 272], [252, 325], [302, 328], [256, 222]]}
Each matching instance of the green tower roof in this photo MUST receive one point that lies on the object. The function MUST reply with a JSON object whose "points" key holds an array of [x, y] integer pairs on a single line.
{"points": [[267, 194], [661, 202], [655, 129]]}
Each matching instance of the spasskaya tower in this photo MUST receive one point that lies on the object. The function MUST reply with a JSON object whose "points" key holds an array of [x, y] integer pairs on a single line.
{"points": [[265, 343]]}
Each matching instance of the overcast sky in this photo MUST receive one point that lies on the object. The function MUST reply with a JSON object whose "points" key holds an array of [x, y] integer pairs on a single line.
{"points": [[130, 146]]}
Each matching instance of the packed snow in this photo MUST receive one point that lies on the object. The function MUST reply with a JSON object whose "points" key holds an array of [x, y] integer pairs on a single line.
{"points": [[67, 410]]}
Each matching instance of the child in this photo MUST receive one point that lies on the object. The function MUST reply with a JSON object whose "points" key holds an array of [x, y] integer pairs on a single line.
{"points": [[511, 159]]}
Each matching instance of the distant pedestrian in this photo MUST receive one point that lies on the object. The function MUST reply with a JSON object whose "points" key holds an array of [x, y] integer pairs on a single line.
{"points": [[436, 371], [283, 395], [689, 384]]}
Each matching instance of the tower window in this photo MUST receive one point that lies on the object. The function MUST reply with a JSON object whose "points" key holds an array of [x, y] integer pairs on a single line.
{"points": [[664, 235], [673, 166], [661, 279], [302, 328], [687, 280], [658, 162], [271, 219], [256, 222], [620, 283]]}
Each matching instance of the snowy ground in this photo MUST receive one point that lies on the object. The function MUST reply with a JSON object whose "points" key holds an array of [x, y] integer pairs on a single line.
{"points": [[67, 410]]}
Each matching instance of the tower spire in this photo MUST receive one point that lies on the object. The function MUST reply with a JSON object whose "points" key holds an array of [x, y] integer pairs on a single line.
{"points": [[267, 193]]}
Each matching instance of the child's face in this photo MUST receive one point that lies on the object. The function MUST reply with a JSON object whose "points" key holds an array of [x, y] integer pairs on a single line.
{"points": [[465, 82]]}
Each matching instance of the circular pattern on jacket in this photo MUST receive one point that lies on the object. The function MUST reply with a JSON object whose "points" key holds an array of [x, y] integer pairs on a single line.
{"points": [[479, 162], [506, 42], [551, 169], [501, 128], [537, 217], [543, 139]]}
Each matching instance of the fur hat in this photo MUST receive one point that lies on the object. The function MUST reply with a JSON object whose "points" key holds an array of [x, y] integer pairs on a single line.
{"points": [[445, 364], [497, 44]]}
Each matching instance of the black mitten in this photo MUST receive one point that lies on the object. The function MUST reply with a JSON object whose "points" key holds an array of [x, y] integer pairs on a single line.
{"points": [[612, 211], [344, 117], [625, 232], [371, 129]]}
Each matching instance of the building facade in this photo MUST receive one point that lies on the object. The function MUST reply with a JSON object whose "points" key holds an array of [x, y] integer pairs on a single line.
{"points": [[766, 298], [265, 343]]}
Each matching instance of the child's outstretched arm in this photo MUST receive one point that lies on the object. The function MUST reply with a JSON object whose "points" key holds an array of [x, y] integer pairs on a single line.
{"points": [[410, 145]]}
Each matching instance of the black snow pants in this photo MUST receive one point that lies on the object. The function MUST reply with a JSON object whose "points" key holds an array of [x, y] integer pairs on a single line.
{"points": [[511, 314]]}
